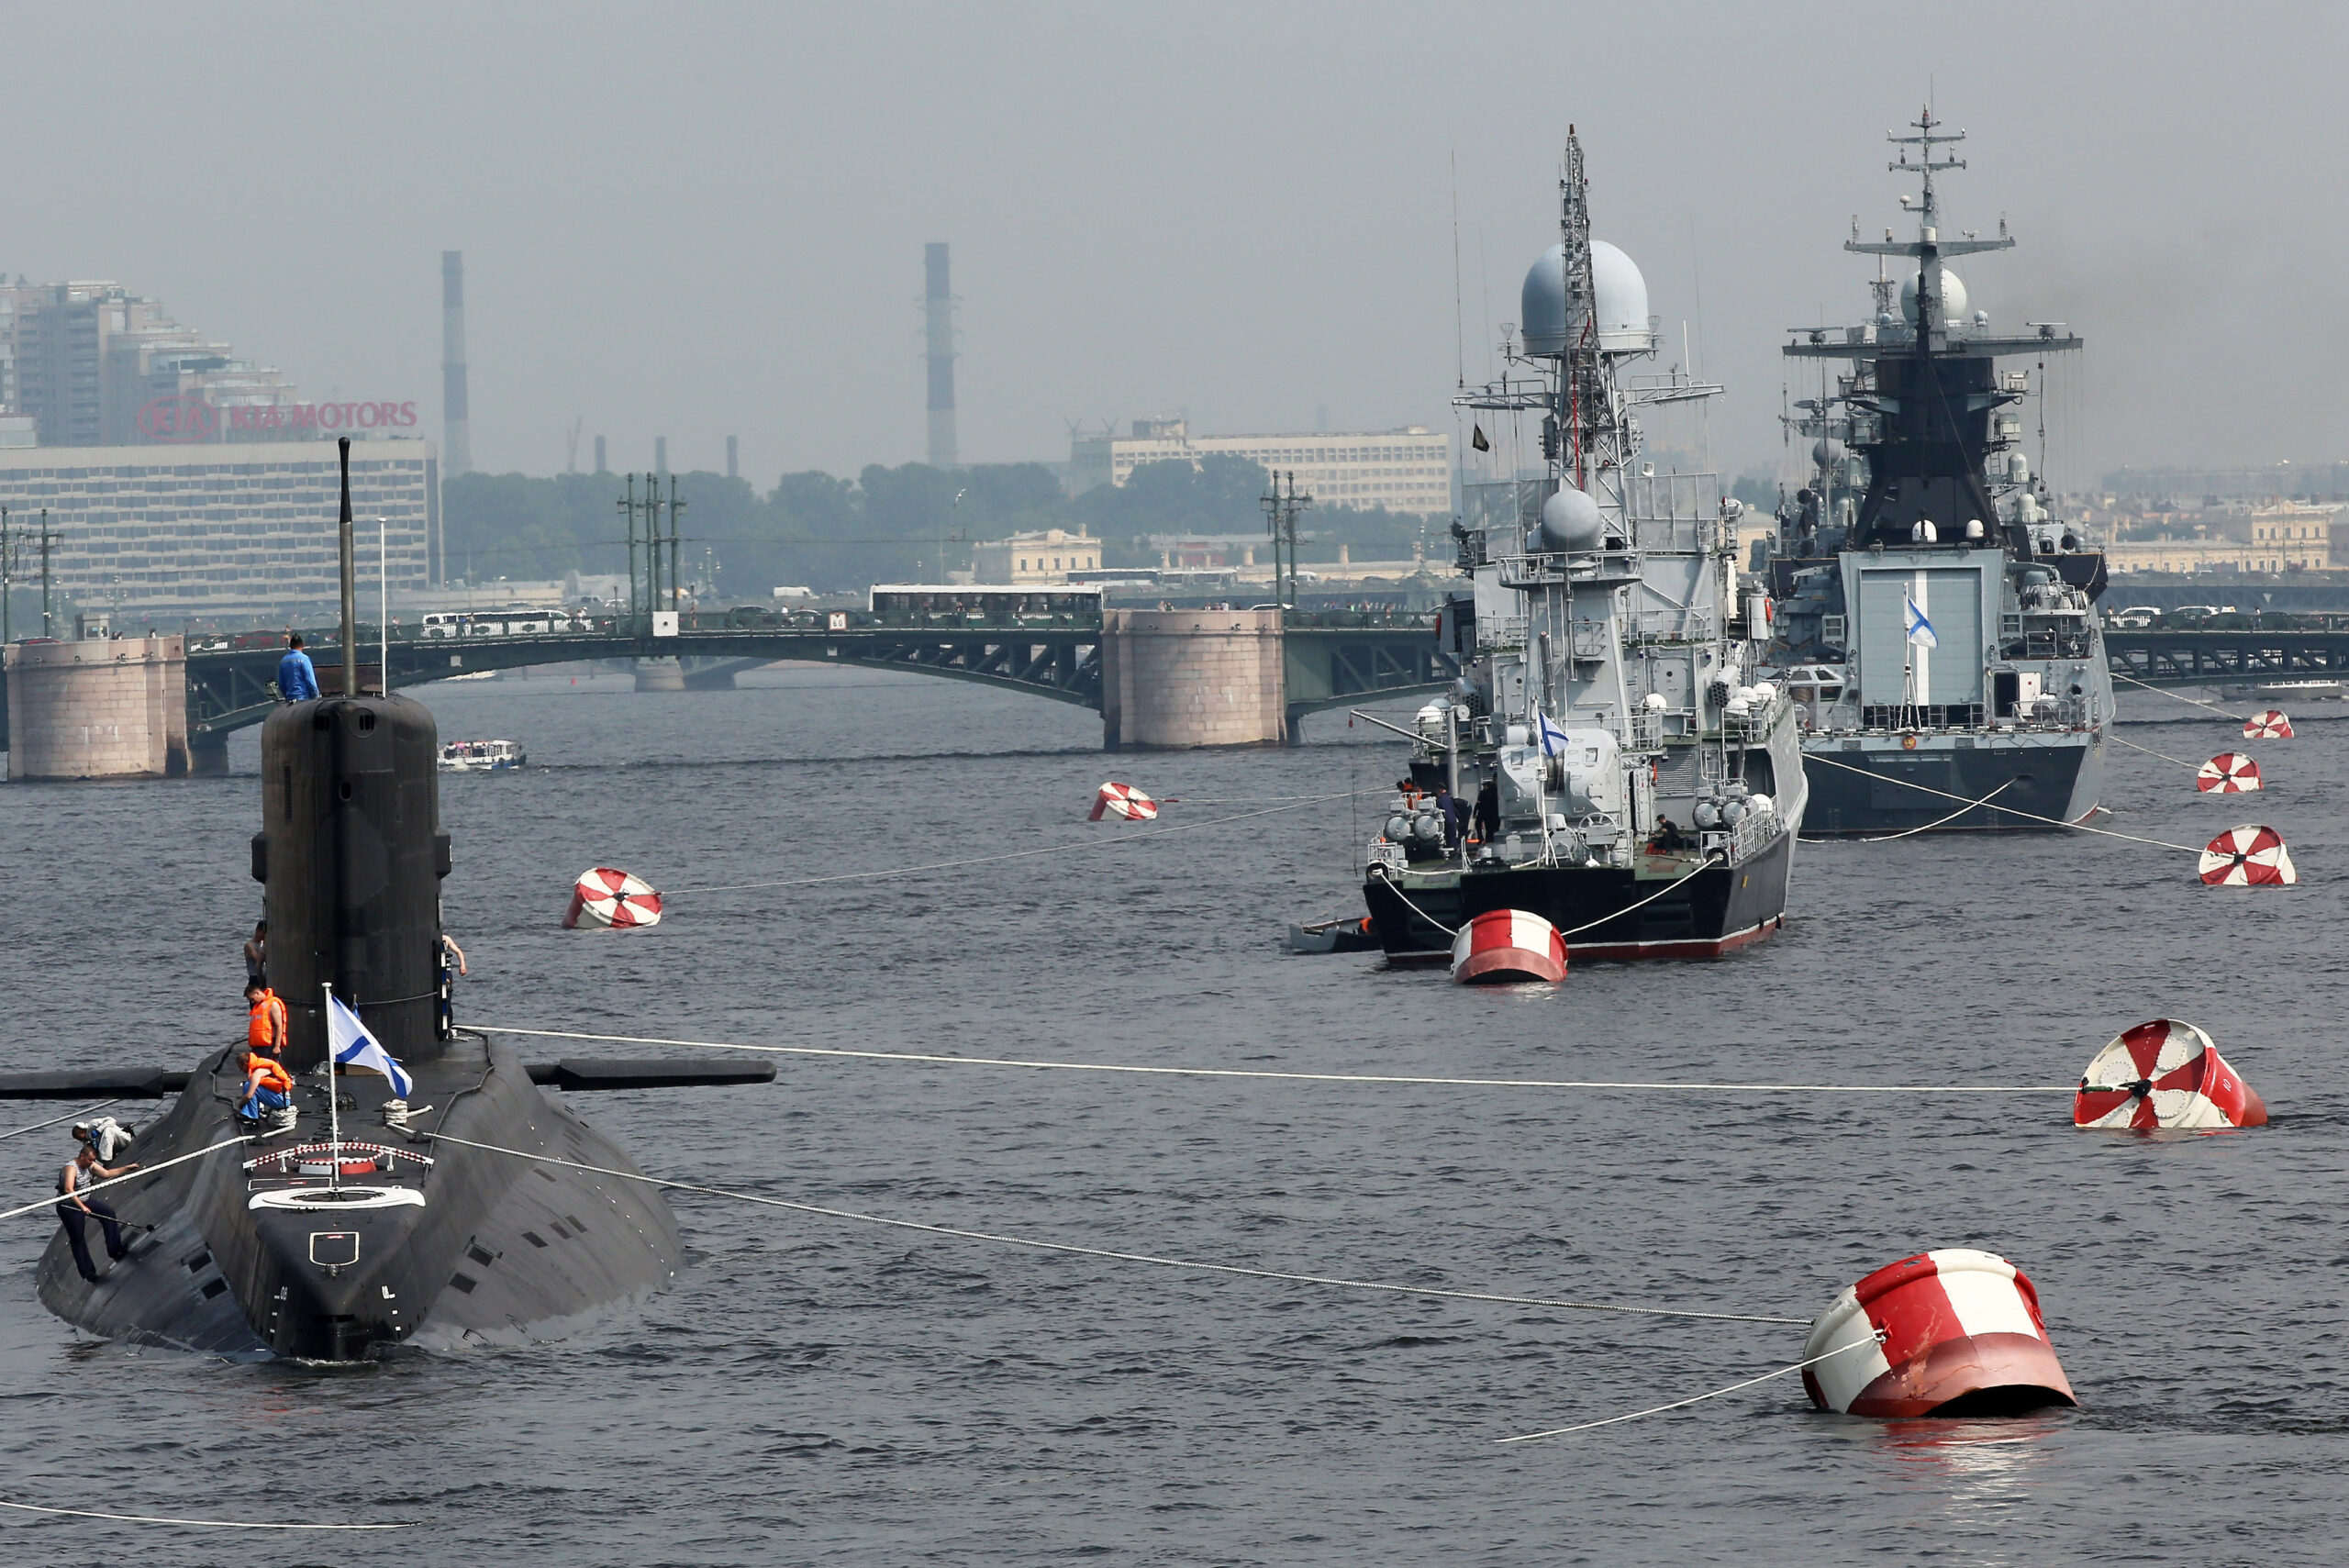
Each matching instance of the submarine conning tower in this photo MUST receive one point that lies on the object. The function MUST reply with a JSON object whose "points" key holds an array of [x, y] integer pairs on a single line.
{"points": [[351, 855]]}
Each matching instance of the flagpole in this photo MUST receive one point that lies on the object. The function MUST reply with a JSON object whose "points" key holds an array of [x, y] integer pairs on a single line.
{"points": [[334, 1101]]}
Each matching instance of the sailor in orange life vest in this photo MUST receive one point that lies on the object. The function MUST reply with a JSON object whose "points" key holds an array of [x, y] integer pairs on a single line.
{"points": [[73, 1207], [265, 1021], [268, 1086]]}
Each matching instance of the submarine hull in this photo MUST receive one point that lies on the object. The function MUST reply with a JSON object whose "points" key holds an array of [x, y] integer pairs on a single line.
{"points": [[259, 1249]]}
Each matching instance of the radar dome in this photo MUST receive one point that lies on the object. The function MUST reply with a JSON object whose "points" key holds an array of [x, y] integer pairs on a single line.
{"points": [[1622, 298], [1826, 453], [1953, 299], [1570, 520]]}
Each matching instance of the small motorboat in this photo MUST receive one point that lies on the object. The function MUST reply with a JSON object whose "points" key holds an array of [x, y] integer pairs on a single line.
{"points": [[481, 757], [1353, 935]]}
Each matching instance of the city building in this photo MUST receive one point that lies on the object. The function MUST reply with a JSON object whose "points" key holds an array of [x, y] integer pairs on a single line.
{"points": [[1404, 470], [157, 535], [2288, 537], [2280, 536], [1048, 556]]}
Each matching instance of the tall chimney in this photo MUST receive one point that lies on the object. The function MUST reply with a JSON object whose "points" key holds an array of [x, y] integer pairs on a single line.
{"points": [[733, 458], [938, 301], [457, 456], [601, 467], [660, 455]]}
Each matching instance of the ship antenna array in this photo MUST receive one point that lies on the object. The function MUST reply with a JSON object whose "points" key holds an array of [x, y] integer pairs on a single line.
{"points": [[1926, 166]]}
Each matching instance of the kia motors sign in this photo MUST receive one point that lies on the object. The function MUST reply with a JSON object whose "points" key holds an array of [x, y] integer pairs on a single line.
{"points": [[174, 419], [189, 418]]}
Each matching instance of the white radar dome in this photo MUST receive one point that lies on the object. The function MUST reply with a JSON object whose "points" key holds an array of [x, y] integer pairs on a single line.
{"points": [[1570, 520], [1953, 299], [1622, 298], [1826, 453]]}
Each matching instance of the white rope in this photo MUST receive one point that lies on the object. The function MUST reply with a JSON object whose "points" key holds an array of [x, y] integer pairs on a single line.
{"points": [[2011, 811], [1928, 827], [52, 1122], [1105, 843], [199, 1523], [2149, 751], [1292, 1077], [1650, 898], [1122, 1257], [140, 1175], [1876, 1339], [1454, 931], [2181, 697]]}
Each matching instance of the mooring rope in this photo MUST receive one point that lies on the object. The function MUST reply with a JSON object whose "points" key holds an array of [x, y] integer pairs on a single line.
{"points": [[2164, 756], [1394, 1078], [1116, 1256], [2181, 697], [1910, 832], [1876, 1339], [52, 1122], [1104, 843], [140, 1175], [197, 1524], [1453, 930], [2011, 811]]}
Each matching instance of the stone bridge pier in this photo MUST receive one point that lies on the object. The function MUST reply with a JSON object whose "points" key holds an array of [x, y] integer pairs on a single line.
{"points": [[98, 709], [1176, 678]]}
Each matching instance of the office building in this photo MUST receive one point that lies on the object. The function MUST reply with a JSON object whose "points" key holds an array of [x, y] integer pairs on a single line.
{"points": [[1046, 556], [1407, 470]]}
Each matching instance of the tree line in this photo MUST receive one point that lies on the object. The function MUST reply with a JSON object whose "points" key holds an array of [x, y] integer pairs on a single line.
{"points": [[885, 525]]}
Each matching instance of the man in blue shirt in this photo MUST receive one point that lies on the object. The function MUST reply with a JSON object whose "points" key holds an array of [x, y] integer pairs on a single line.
{"points": [[296, 680]]}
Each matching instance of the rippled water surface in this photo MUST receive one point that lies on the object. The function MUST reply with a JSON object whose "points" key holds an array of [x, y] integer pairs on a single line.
{"points": [[813, 1390]]}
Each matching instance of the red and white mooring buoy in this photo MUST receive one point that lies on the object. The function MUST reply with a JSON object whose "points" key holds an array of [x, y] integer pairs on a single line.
{"points": [[2248, 857], [1959, 1333], [1504, 945], [1122, 800], [604, 896], [2165, 1073], [2229, 773], [2269, 726]]}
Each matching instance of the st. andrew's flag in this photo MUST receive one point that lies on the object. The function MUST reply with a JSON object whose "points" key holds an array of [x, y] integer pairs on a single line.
{"points": [[354, 1046], [1554, 740], [1920, 631]]}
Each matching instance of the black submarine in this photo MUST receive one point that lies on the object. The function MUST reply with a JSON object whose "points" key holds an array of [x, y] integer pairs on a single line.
{"points": [[372, 1221]]}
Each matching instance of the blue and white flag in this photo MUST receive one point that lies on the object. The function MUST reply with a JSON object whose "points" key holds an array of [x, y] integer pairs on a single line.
{"points": [[1554, 740], [1920, 631], [354, 1046]]}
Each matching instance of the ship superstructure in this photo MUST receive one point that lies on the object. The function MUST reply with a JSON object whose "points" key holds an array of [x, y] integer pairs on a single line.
{"points": [[1934, 622], [1617, 766]]}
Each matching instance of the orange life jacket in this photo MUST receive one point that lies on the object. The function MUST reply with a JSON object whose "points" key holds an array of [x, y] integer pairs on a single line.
{"points": [[272, 1076], [265, 1026]]}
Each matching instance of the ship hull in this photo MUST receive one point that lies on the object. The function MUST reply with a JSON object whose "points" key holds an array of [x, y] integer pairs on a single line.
{"points": [[1713, 912], [1874, 787], [490, 1247]]}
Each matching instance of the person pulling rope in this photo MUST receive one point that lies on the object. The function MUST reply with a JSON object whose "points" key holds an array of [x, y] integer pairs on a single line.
{"points": [[1116, 1256]]}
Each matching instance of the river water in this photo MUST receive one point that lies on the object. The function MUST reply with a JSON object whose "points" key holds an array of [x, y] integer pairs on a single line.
{"points": [[813, 1390]]}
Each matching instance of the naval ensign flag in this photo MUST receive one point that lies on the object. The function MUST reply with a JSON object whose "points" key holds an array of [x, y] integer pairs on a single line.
{"points": [[1920, 631], [354, 1046]]}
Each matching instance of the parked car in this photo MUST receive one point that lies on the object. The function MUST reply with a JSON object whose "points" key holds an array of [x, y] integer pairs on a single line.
{"points": [[2134, 617]]}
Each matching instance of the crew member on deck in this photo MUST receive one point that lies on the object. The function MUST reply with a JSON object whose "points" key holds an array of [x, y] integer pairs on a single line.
{"points": [[1488, 810], [257, 955], [268, 1086], [265, 1025], [297, 679], [73, 1207]]}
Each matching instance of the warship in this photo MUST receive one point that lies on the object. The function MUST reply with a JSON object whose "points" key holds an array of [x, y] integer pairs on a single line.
{"points": [[358, 1218], [1933, 623], [1634, 782]]}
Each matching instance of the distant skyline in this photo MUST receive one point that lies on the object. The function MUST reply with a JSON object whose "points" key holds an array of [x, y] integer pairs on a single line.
{"points": [[703, 221]]}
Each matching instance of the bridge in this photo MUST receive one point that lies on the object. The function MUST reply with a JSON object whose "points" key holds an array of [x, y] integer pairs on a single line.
{"points": [[2228, 656], [1327, 659]]}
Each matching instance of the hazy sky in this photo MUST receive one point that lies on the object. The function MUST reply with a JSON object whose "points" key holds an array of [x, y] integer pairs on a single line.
{"points": [[697, 220]]}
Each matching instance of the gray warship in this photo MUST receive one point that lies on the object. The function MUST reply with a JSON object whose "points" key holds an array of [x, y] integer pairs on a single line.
{"points": [[1638, 784], [351, 1224], [1932, 621]]}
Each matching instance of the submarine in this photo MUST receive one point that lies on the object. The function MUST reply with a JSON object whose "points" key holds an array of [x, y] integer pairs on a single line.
{"points": [[365, 1220]]}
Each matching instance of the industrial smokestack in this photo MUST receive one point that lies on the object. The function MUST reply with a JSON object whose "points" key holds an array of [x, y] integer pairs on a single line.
{"points": [[457, 456], [601, 467], [733, 458], [661, 456], [938, 301]]}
